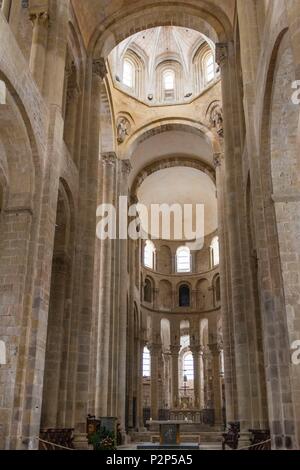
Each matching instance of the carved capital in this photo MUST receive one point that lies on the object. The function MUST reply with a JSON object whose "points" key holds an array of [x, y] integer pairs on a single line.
{"points": [[174, 349], [39, 18], [126, 167], [109, 158], [99, 68], [196, 349], [221, 53]]}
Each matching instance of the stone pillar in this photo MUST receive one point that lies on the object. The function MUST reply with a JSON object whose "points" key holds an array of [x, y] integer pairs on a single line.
{"points": [[155, 353], [125, 169], [216, 379], [227, 327], [202, 402], [235, 272], [196, 359], [40, 21], [53, 360], [175, 386], [103, 346], [140, 403], [207, 375], [6, 6]]}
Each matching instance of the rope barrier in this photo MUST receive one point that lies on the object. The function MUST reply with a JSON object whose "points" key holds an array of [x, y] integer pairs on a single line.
{"points": [[54, 445], [255, 445]]}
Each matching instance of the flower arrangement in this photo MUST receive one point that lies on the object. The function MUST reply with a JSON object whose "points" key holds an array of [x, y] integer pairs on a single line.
{"points": [[103, 439]]}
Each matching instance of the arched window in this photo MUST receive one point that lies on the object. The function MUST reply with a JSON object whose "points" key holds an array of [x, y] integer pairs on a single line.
{"points": [[188, 366], [169, 84], [148, 291], [149, 251], [209, 67], [184, 296], [146, 362], [183, 260], [128, 73], [215, 253], [169, 80]]}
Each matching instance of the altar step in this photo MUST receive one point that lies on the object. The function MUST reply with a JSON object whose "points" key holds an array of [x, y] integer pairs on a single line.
{"points": [[202, 438]]}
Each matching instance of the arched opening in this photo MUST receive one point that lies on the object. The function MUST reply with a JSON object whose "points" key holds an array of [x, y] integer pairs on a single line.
{"points": [[128, 73], [149, 254], [148, 291], [146, 363], [183, 260], [184, 296], [215, 252]]}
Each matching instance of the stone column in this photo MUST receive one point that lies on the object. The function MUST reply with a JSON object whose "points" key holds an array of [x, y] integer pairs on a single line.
{"points": [[40, 22], [227, 327], [6, 6], [196, 359], [206, 356], [216, 379], [155, 353], [103, 346], [140, 403], [235, 270], [175, 386], [54, 343], [125, 169], [202, 402]]}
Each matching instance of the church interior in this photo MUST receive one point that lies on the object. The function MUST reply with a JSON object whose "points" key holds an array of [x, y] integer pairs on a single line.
{"points": [[152, 103]]}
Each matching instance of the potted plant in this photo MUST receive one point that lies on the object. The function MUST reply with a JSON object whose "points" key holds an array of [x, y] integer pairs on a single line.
{"points": [[103, 439]]}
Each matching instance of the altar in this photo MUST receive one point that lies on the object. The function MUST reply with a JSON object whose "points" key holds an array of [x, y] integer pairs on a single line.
{"points": [[169, 435]]}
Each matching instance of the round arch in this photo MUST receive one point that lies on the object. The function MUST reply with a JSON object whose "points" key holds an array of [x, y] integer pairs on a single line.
{"points": [[205, 17], [171, 162], [167, 125]]}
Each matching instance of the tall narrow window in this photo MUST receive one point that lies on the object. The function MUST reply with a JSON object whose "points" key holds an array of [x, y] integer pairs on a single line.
{"points": [[146, 362], [209, 67], [215, 252], [183, 260], [169, 84], [128, 73], [149, 255], [169, 80], [188, 366]]}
